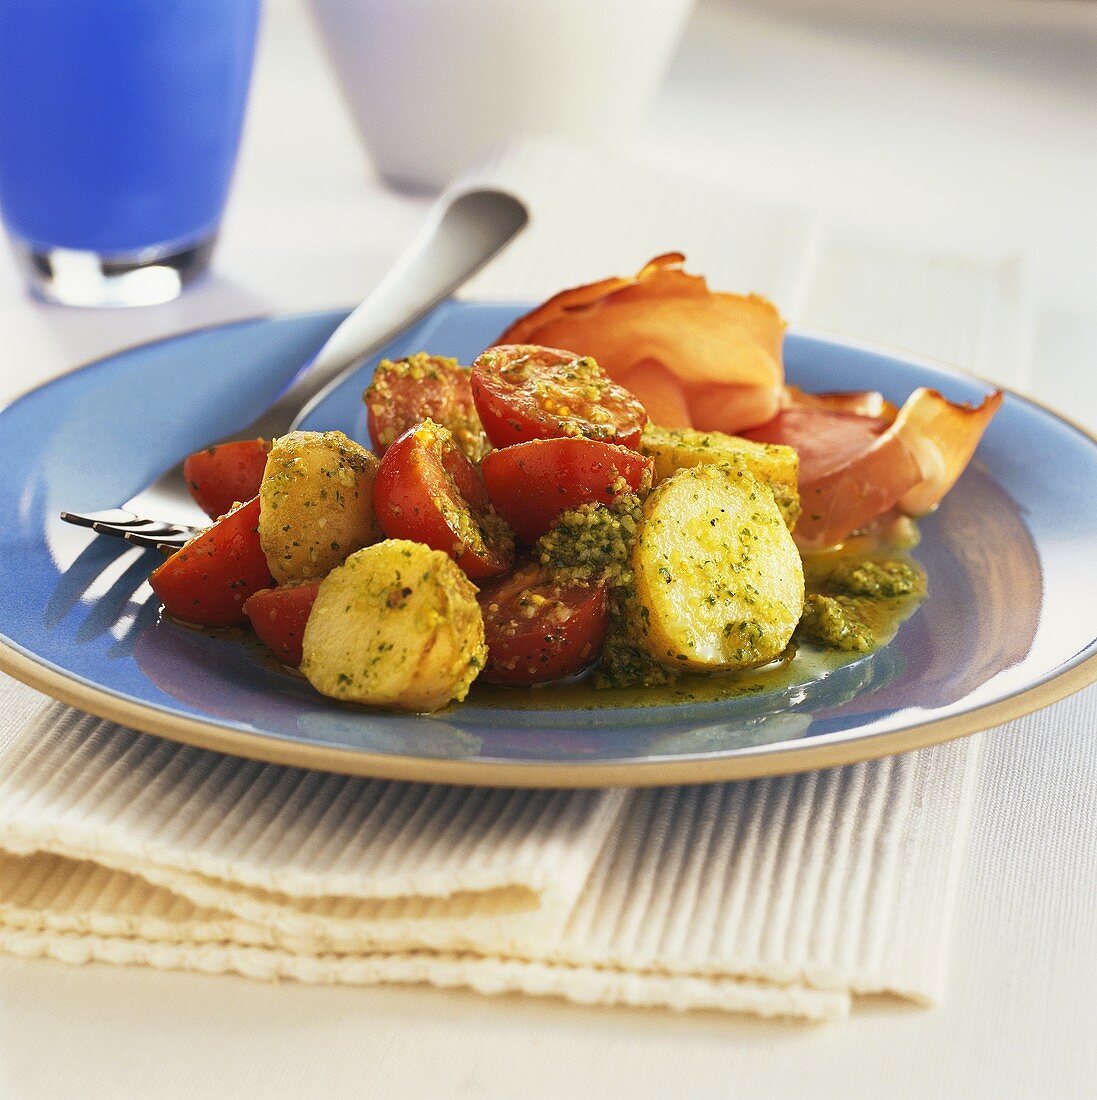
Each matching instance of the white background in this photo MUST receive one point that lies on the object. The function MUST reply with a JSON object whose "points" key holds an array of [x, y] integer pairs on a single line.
{"points": [[965, 127]]}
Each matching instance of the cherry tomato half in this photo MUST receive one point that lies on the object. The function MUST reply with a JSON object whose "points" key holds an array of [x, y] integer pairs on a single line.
{"points": [[426, 490], [531, 483], [221, 475], [407, 391], [278, 616], [208, 580], [537, 631], [527, 392]]}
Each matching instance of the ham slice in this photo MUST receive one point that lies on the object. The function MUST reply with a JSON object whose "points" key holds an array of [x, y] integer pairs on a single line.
{"points": [[823, 439], [855, 468], [944, 436], [695, 358], [712, 361], [858, 402]]}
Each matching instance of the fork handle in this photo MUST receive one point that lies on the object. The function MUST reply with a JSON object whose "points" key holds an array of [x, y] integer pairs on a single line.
{"points": [[463, 232]]}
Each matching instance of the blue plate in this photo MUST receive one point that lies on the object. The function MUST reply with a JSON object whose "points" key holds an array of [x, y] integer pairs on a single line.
{"points": [[1008, 625]]}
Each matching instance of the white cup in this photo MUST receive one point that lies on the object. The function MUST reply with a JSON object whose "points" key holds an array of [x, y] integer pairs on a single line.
{"points": [[433, 84]]}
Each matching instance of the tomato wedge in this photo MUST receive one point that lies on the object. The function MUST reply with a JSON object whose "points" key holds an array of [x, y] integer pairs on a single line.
{"points": [[537, 631], [278, 616], [531, 483], [426, 490], [525, 392], [208, 580], [221, 475], [407, 391]]}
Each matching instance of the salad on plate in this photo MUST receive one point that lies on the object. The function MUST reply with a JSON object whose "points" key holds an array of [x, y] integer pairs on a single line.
{"points": [[621, 493]]}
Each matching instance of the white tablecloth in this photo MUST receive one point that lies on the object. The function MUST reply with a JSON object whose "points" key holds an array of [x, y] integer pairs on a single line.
{"points": [[977, 136]]}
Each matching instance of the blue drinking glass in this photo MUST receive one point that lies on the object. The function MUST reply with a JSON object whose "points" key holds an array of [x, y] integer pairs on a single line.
{"points": [[119, 125]]}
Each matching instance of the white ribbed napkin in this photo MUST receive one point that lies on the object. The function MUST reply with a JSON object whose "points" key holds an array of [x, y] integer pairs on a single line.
{"points": [[780, 897]]}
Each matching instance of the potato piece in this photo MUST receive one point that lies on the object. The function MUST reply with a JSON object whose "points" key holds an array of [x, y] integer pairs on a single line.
{"points": [[774, 465], [719, 583], [396, 625], [315, 504]]}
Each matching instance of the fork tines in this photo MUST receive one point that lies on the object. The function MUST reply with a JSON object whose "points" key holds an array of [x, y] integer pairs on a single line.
{"points": [[136, 529]]}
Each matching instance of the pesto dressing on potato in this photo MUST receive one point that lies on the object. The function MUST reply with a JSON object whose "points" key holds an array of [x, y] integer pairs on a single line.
{"points": [[803, 663], [874, 574]]}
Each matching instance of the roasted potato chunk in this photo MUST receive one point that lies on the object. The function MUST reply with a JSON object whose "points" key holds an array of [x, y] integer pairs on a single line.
{"points": [[774, 465], [316, 504], [396, 625], [718, 580]]}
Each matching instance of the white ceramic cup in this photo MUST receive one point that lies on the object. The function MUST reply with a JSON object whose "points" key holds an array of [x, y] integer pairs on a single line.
{"points": [[432, 84]]}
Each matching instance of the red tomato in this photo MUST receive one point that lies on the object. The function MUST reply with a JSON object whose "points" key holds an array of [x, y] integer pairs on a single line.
{"points": [[426, 490], [221, 475], [408, 391], [538, 631], [527, 392], [531, 483], [208, 580], [278, 616]]}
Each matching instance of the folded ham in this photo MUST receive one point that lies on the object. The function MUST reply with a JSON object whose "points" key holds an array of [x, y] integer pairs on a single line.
{"points": [[854, 468], [859, 402], [696, 358], [709, 360]]}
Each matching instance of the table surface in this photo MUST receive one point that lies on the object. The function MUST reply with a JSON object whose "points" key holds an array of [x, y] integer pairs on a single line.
{"points": [[964, 127]]}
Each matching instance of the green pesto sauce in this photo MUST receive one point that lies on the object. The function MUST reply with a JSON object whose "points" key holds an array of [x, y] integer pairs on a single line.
{"points": [[592, 541], [859, 594], [836, 622], [797, 666]]}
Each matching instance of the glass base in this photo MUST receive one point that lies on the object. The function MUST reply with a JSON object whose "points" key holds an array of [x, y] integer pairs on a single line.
{"points": [[72, 277]]}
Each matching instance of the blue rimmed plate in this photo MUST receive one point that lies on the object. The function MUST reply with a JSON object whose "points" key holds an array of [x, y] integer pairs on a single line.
{"points": [[1009, 624]]}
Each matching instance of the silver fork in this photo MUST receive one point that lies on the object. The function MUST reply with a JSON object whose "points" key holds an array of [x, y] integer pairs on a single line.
{"points": [[463, 232]]}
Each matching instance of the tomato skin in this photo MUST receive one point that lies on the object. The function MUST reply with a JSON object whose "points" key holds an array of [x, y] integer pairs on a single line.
{"points": [[278, 616], [561, 635], [208, 580], [525, 392], [219, 476], [427, 491], [531, 483], [406, 392]]}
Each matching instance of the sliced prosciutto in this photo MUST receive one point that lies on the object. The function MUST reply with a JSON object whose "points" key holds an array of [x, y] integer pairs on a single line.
{"points": [[944, 436], [858, 402], [712, 361], [694, 357], [855, 468], [823, 439]]}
